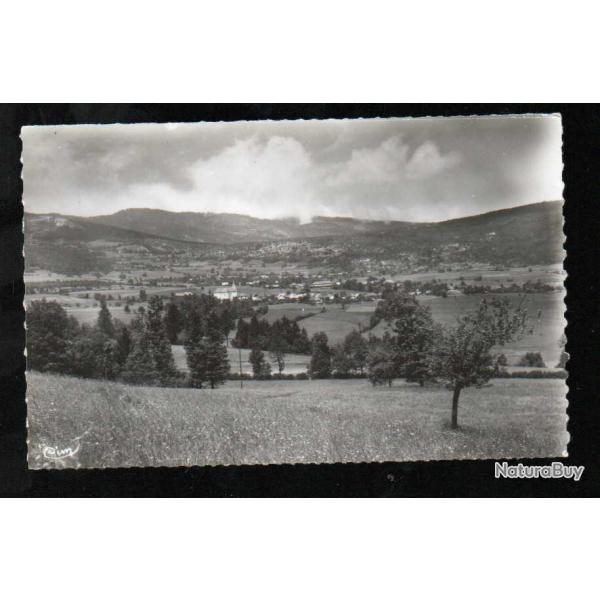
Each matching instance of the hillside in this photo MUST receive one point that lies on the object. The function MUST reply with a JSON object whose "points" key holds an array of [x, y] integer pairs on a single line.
{"points": [[231, 228], [105, 424], [519, 236]]}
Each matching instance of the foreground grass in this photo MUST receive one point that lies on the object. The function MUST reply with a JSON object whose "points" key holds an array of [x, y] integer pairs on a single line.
{"points": [[287, 422]]}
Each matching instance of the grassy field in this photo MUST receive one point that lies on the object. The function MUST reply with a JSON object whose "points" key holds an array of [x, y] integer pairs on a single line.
{"points": [[336, 322], [548, 328], [550, 274], [294, 363], [79, 423]]}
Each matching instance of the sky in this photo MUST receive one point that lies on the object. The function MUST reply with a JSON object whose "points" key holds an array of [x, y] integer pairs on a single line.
{"points": [[427, 169]]}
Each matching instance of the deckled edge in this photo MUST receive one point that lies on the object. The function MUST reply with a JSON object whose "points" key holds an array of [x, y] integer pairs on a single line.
{"points": [[398, 462]]}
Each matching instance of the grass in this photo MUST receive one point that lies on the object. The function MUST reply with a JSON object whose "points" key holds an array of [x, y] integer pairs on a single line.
{"points": [[546, 333], [336, 323], [294, 363], [113, 425]]}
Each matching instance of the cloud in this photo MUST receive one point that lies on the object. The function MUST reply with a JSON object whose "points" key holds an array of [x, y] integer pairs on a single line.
{"points": [[390, 162], [405, 169], [262, 177]]}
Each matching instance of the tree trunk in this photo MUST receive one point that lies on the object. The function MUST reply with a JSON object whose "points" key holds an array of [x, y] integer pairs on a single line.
{"points": [[455, 396]]}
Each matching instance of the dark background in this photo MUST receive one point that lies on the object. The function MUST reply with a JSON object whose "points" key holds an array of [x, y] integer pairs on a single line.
{"points": [[581, 152]]}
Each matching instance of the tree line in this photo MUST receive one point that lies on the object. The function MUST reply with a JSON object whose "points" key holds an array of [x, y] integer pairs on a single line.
{"points": [[414, 347]]}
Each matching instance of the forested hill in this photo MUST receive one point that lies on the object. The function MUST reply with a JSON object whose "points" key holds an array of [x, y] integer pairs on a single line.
{"points": [[523, 235]]}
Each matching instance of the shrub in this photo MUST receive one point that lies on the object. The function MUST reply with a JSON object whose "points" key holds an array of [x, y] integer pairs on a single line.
{"points": [[532, 359]]}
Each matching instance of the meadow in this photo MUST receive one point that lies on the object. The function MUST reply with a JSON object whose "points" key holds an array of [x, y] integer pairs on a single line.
{"points": [[294, 363], [85, 423], [545, 309]]}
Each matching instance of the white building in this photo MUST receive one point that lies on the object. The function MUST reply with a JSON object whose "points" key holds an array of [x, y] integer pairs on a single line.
{"points": [[226, 292]]}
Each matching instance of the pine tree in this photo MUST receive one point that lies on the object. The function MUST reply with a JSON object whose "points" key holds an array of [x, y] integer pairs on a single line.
{"points": [[159, 346], [217, 361], [124, 344], [150, 360], [139, 367], [241, 336], [194, 348], [173, 322], [104, 322], [206, 353]]}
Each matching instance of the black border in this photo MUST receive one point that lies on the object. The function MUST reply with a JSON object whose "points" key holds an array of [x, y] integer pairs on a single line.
{"points": [[581, 151]]}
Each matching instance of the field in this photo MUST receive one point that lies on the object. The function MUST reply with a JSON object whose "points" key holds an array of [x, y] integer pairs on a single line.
{"points": [[550, 274], [294, 363], [548, 326], [78, 423], [336, 322]]}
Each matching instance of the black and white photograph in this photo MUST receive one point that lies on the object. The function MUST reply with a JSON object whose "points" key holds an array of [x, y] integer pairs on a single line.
{"points": [[294, 291]]}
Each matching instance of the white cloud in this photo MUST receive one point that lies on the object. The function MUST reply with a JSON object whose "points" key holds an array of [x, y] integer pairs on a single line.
{"points": [[391, 162], [260, 177], [427, 161]]}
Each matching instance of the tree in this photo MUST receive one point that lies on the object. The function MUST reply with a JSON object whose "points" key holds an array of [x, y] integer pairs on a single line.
{"points": [[205, 349], [277, 353], [217, 362], [257, 360], [150, 360], [462, 356], [173, 322], [143, 295], [159, 346], [124, 343], [320, 360], [104, 322], [94, 354], [341, 362], [139, 368], [49, 335], [226, 320], [532, 359], [381, 361], [355, 347], [241, 335], [414, 330]]}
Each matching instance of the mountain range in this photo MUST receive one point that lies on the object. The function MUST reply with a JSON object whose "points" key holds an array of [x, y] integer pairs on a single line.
{"points": [[529, 234]]}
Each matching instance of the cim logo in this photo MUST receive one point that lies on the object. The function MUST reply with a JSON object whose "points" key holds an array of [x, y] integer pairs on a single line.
{"points": [[58, 453], [52, 453]]}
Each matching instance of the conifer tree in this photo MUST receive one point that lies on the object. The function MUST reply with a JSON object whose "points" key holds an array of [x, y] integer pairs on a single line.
{"points": [[104, 322], [216, 359], [173, 322]]}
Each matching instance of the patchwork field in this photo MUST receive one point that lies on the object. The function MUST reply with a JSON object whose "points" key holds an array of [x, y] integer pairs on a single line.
{"points": [[84, 423]]}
